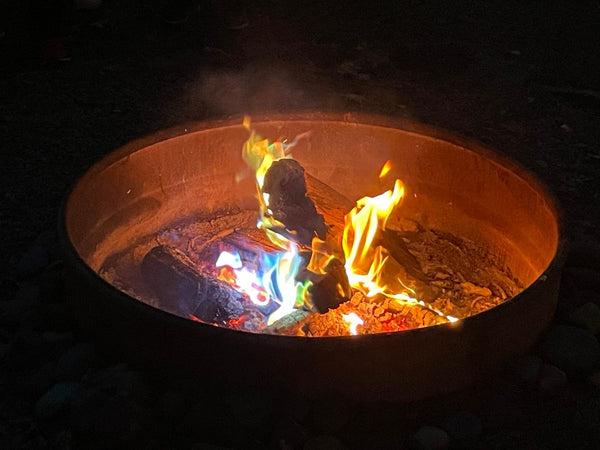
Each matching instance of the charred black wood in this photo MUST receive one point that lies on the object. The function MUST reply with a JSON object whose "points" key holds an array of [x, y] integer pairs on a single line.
{"points": [[392, 241], [286, 185], [330, 290], [182, 290]]}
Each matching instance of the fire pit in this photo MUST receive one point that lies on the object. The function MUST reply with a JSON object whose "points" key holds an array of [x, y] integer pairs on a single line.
{"points": [[444, 275]]}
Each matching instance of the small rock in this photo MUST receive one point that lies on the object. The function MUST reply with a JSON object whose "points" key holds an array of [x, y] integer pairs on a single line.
{"points": [[587, 316], [32, 261], [528, 368], [552, 379], [56, 400], [571, 349], [431, 438], [324, 442], [463, 426], [75, 362]]}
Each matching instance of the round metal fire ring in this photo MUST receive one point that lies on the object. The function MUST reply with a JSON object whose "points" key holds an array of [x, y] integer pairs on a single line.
{"points": [[462, 187]]}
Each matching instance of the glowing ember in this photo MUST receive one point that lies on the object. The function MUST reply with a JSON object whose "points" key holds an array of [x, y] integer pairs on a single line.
{"points": [[354, 321]]}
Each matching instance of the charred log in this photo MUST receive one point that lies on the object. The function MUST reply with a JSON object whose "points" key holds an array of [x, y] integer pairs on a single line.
{"points": [[330, 290], [286, 186], [183, 290]]}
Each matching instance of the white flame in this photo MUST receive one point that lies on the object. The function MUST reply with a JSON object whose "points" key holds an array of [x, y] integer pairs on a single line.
{"points": [[354, 320]]}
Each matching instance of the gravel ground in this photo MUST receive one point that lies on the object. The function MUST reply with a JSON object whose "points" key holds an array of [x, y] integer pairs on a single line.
{"points": [[519, 76]]}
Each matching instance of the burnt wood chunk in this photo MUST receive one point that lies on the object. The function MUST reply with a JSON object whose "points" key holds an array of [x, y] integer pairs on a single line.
{"points": [[286, 186], [290, 323], [330, 290], [182, 290]]}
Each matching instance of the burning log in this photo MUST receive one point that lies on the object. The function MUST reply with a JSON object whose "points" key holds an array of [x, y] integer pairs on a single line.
{"points": [[331, 289], [286, 186], [181, 289], [333, 206]]}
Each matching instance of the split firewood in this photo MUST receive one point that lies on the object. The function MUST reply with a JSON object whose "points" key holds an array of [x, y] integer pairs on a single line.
{"points": [[333, 206], [290, 323], [181, 289]]}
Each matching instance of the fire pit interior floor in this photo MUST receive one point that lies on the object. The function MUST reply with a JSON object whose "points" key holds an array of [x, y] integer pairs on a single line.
{"points": [[468, 276]]}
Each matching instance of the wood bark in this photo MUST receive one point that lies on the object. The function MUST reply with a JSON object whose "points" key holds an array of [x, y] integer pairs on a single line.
{"points": [[181, 289]]}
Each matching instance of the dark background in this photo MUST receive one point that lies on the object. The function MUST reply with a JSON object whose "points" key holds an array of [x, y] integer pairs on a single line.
{"points": [[521, 77]]}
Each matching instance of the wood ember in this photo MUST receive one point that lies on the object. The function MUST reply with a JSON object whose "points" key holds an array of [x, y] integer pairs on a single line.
{"points": [[182, 290]]}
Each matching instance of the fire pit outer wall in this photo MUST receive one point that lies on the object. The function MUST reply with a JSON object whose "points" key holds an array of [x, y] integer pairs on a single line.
{"points": [[460, 187]]}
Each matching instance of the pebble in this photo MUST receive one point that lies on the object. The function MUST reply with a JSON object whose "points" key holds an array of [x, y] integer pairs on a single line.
{"points": [[463, 426], [571, 349], [587, 316], [431, 438], [75, 362], [528, 368], [56, 400], [324, 442], [552, 379], [33, 261]]}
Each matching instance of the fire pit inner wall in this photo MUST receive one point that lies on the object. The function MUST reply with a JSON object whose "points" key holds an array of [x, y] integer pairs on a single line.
{"points": [[452, 185]]}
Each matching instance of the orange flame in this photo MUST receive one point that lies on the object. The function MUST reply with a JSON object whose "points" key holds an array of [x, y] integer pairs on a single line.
{"points": [[387, 166], [365, 260]]}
